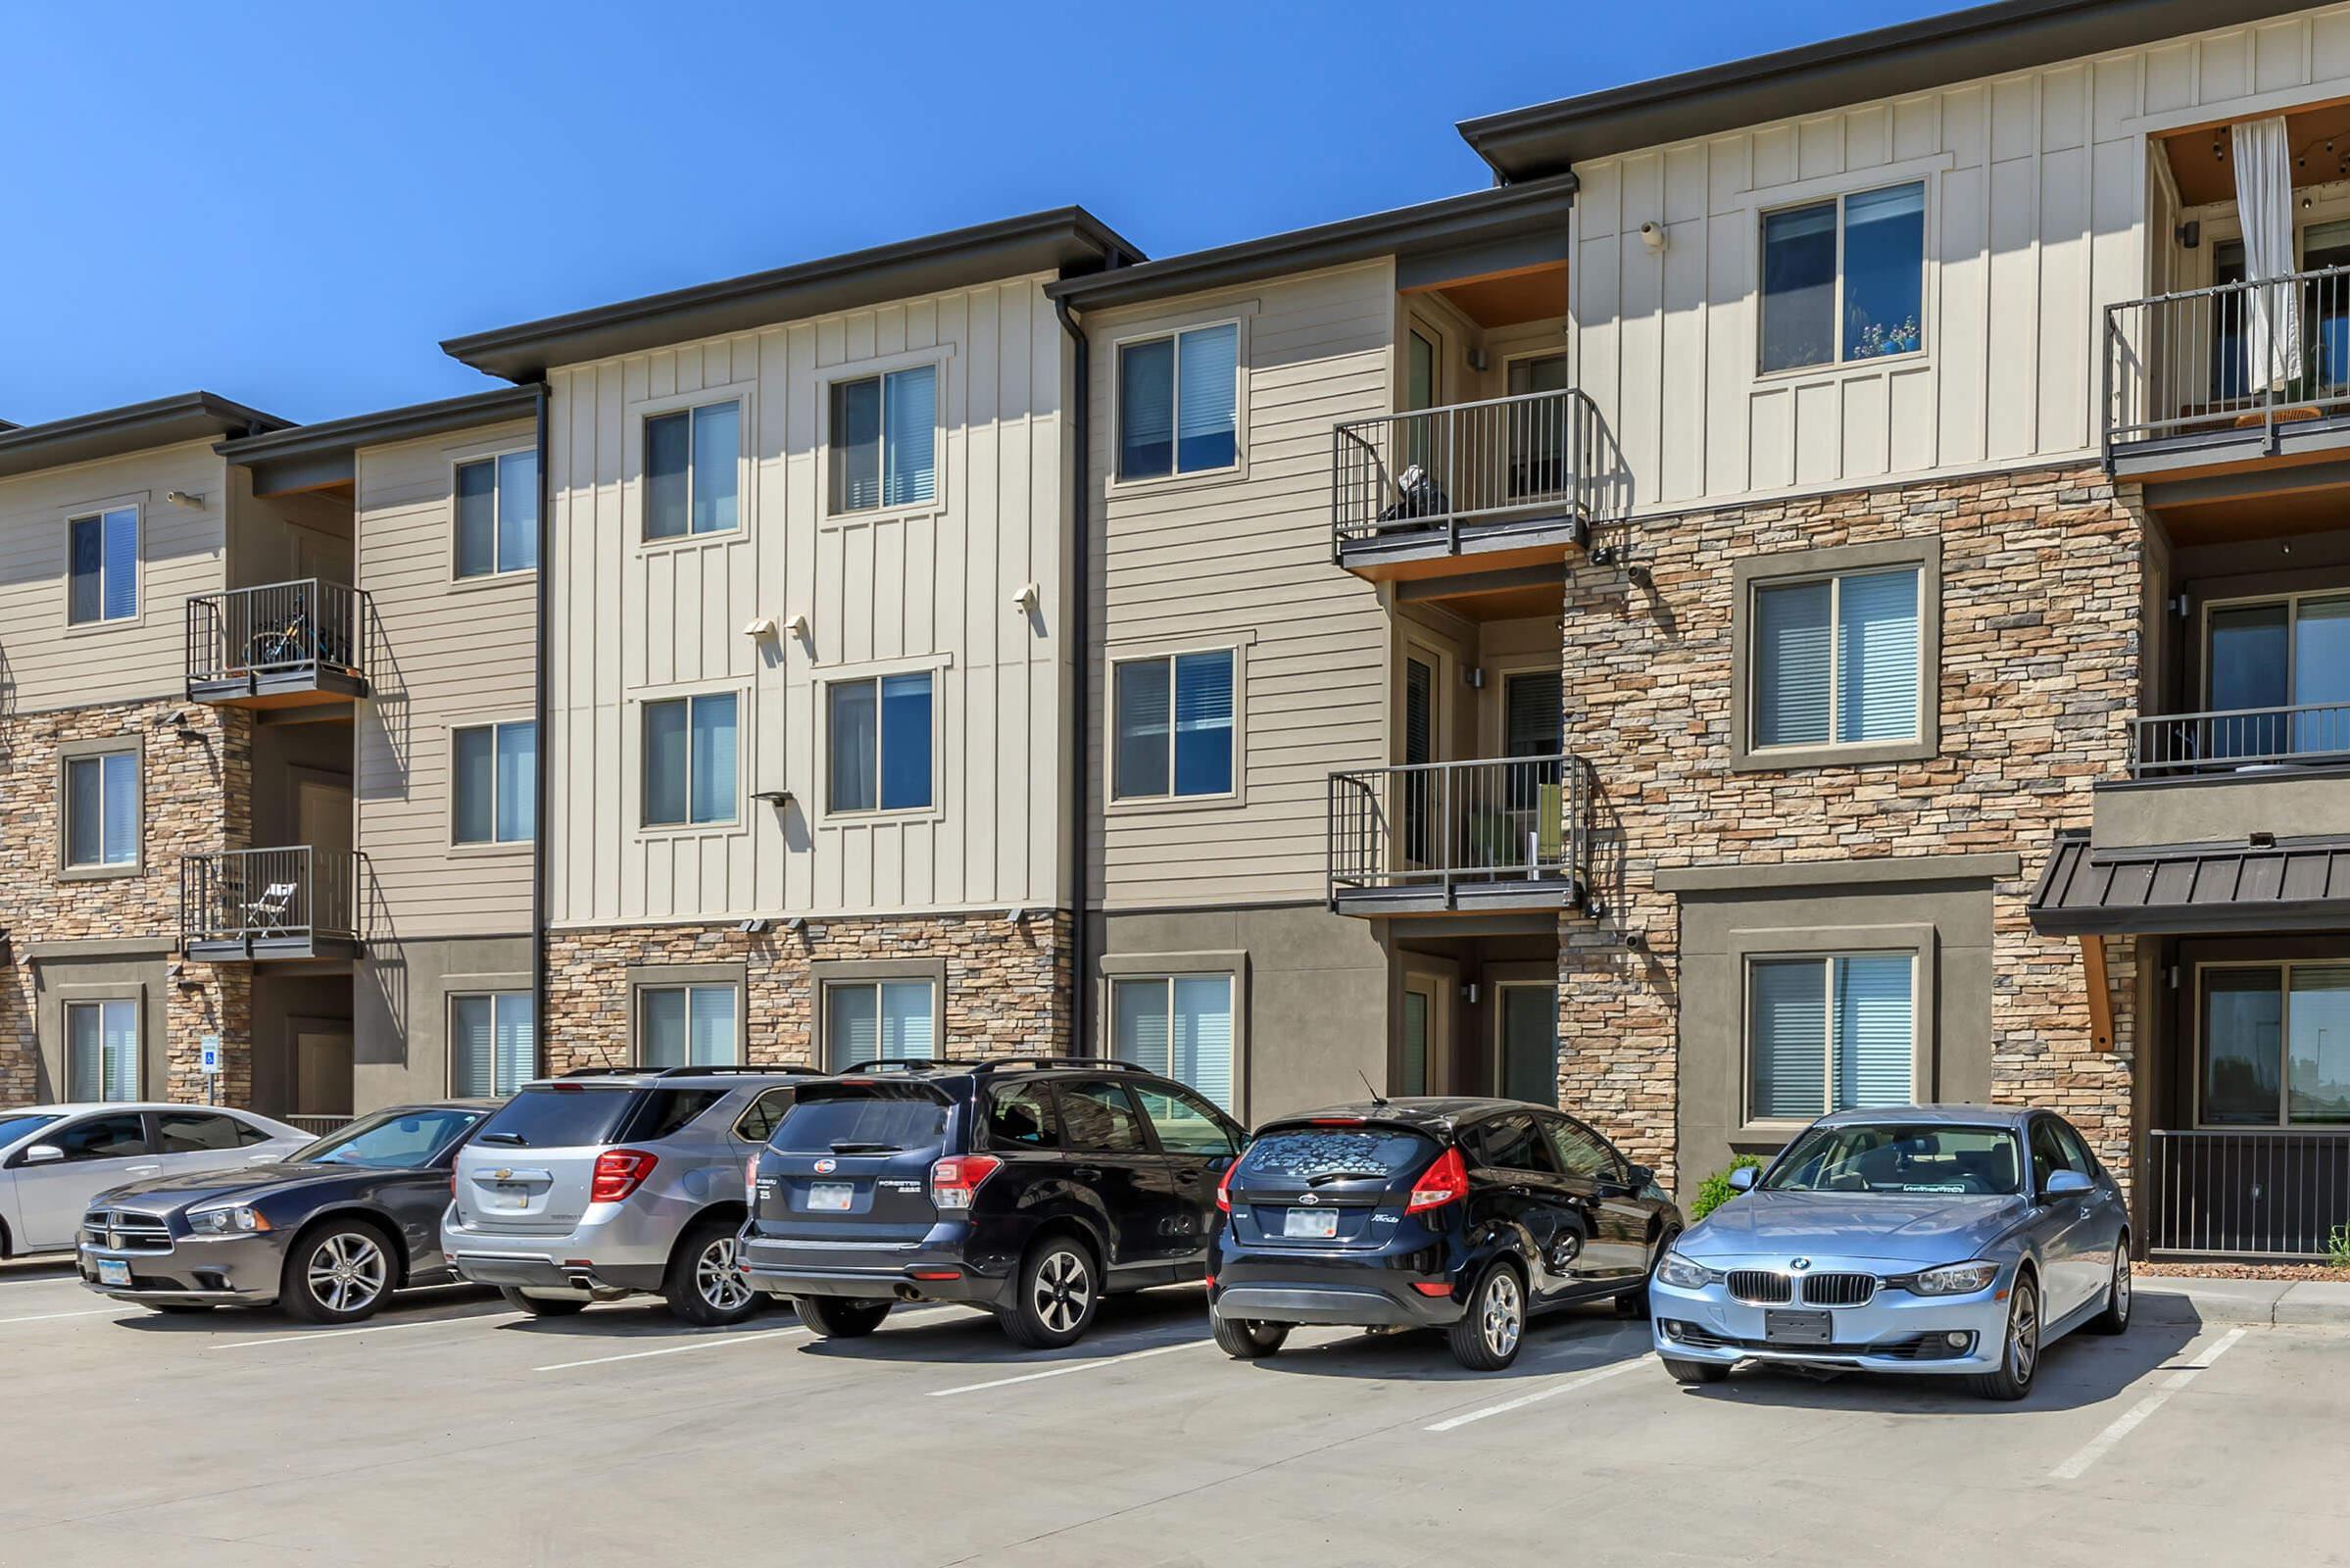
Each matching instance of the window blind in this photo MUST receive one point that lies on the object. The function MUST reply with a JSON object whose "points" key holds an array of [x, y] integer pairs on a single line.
{"points": [[662, 1028], [1138, 1023], [1202, 723], [1141, 766], [854, 745], [121, 565], [1207, 383], [852, 1024], [517, 782], [668, 457], [910, 442], [856, 444], [718, 454], [86, 555], [472, 1045], [1788, 1032], [477, 785], [517, 511], [119, 836], [1146, 410], [710, 1015], [102, 1048], [516, 1041], [85, 809], [1877, 657], [907, 1025], [714, 783], [664, 762], [1792, 667], [1203, 1034], [1874, 1030], [477, 519], [1535, 714]]}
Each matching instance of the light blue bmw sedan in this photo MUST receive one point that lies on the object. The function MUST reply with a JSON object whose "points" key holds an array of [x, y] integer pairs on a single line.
{"points": [[1947, 1239]]}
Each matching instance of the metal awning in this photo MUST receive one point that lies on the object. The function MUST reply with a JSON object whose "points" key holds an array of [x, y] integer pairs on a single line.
{"points": [[2187, 889]]}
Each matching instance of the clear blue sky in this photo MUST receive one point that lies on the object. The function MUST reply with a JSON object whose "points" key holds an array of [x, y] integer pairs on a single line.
{"points": [[291, 205]]}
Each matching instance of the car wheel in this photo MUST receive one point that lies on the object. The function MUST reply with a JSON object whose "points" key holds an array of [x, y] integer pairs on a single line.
{"points": [[704, 1286], [1056, 1296], [836, 1317], [1488, 1336], [1635, 1303], [541, 1305], [1246, 1340], [1694, 1371], [2115, 1319], [2020, 1349], [341, 1272]]}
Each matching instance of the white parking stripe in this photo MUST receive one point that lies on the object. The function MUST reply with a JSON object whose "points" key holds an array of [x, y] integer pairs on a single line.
{"points": [[1581, 1380], [47, 1317], [2129, 1421], [314, 1335], [1067, 1368], [699, 1343]]}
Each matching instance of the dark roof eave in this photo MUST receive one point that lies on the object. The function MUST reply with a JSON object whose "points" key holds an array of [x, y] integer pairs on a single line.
{"points": [[133, 427], [1986, 41], [1063, 239], [1454, 220], [336, 436]]}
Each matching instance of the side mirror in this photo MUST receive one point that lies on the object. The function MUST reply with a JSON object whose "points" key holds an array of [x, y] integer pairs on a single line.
{"points": [[2066, 1183], [1638, 1176], [43, 1154], [1741, 1180]]}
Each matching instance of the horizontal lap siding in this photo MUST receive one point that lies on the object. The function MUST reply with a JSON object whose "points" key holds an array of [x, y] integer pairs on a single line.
{"points": [[444, 655], [1249, 560]]}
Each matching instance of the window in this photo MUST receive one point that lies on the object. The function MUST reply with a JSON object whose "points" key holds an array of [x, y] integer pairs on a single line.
{"points": [[1826, 1034], [1179, 1028], [689, 760], [1100, 1118], [667, 1110], [1021, 1116], [757, 1124], [103, 567], [2276, 1046], [1509, 1143], [1838, 659], [2274, 653], [497, 783], [1192, 754], [493, 1048], [885, 432], [687, 1026], [116, 1137], [888, 1018], [1177, 397], [102, 810], [102, 1050], [1848, 290], [498, 515], [1184, 1123], [693, 471], [188, 1132], [1580, 1152], [2052, 1152], [880, 744]]}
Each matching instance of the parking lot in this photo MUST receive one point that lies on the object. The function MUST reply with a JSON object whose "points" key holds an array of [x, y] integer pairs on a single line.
{"points": [[450, 1430]]}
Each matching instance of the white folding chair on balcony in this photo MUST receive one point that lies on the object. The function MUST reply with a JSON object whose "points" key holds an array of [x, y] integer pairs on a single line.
{"points": [[267, 912]]}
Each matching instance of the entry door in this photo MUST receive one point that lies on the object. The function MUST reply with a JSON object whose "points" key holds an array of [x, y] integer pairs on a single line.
{"points": [[1425, 1060], [1528, 1048], [322, 811], [322, 1071]]}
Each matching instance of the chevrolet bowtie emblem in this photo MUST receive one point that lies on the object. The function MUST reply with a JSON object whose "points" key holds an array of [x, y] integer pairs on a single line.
{"points": [[502, 1175]]}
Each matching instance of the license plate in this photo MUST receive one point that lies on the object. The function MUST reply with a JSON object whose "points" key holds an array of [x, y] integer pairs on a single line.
{"points": [[1798, 1328], [113, 1271], [834, 1196], [510, 1198], [1311, 1223]]}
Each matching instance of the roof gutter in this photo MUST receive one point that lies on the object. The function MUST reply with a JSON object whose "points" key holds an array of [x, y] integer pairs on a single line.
{"points": [[1081, 675]]}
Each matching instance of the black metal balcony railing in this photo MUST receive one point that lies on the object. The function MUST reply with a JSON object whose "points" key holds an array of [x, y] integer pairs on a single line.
{"points": [[298, 902], [1490, 470], [280, 636], [2202, 361], [1483, 829], [2246, 1193], [2305, 735]]}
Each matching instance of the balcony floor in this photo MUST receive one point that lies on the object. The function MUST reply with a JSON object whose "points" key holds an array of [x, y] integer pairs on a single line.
{"points": [[304, 687], [270, 948], [1496, 895], [2226, 448], [1427, 548]]}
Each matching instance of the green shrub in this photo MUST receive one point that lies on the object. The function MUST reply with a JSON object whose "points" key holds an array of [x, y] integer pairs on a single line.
{"points": [[2337, 1247], [1714, 1190]]}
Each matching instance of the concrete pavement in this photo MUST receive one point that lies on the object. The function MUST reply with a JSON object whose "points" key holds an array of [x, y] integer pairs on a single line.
{"points": [[2266, 1303]]}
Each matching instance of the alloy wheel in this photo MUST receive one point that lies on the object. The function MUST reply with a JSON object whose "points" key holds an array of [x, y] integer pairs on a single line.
{"points": [[2121, 1294], [2023, 1334], [719, 1281], [1064, 1289], [1504, 1316], [347, 1272]]}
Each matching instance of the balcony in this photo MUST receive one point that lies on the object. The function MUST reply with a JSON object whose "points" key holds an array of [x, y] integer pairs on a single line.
{"points": [[2271, 1195], [1471, 487], [282, 645], [2233, 777], [250, 905], [1435, 838]]}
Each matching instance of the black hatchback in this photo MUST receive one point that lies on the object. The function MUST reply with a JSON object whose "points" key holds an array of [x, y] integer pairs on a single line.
{"points": [[1468, 1215], [1028, 1188]]}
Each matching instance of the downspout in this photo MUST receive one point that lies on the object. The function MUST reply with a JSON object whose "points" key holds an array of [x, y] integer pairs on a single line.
{"points": [[1080, 703], [544, 588]]}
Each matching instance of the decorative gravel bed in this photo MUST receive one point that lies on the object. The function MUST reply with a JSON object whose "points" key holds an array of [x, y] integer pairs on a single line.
{"points": [[2295, 1272]]}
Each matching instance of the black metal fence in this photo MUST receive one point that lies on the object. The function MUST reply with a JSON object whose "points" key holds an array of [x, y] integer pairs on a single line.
{"points": [[276, 629], [2303, 735], [1436, 825], [257, 898], [2246, 1193], [1508, 463], [2249, 355]]}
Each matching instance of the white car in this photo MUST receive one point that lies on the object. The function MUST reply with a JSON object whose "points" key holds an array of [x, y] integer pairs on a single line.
{"points": [[54, 1158]]}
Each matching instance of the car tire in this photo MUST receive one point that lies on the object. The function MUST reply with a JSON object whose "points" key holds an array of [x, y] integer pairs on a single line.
{"points": [[837, 1318], [1245, 1339], [543, 1305], [2115, 1319], [2019, 1346], [1635, 1303], [1489, 1333], [1694, 1372], [702, 1286], [1055, 1295], [340, 1271]]}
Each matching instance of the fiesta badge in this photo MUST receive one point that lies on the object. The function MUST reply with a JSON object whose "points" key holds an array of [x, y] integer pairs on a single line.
{"points": [[824, 1166]]}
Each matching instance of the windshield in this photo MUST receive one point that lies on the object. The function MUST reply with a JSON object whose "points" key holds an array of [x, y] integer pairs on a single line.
{"points": [[391, 1140], [1895, 1157], [14, 1124], [878, 1120], [558, 1116]]}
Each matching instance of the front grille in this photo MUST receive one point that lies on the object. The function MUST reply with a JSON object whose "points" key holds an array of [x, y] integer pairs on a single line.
{"points": [[1760, 1287], [120, 1231], [1911, 1348], [1838, 1290]]}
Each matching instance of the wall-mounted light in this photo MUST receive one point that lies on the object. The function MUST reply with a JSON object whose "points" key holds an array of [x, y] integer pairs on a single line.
{"points": [[797, 922], [778, 799], [796, 626], [762, 627], [1027, 599], [1015, 914], [756, 925]]}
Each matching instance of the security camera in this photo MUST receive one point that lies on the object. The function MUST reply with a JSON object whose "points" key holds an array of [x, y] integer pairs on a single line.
{"points": [[1652, 235]]}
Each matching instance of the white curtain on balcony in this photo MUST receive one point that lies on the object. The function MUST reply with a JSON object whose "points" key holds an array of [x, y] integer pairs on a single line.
{"points": [[2264, 200]]}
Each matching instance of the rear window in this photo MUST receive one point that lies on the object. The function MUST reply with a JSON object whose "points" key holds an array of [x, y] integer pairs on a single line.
{"points": [[874, 1120], [1303, 1154], [556, 1116]]}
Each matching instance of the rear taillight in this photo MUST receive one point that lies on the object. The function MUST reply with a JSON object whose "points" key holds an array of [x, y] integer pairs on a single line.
{"points": [[1445, 1182], [619, 1172], [953, 1181], [751, 1177], [1224, 1187]]}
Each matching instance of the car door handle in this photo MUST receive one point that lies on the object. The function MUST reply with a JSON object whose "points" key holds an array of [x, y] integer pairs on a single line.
{"points": [[1086, 1173], [141, 1170]]}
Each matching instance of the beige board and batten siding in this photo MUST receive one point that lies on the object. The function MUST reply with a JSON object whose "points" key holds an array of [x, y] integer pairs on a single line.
{"points": [[444, 651], [1244, 559], [2036, 193], [931, 587], [45, 663]]}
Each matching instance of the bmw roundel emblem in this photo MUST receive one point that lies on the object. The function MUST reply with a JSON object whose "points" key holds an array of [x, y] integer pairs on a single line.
{"points": [[1798, 1265], [823, 1165]]}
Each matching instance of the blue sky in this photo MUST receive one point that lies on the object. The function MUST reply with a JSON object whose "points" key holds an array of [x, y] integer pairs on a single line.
{"points": [[291, 205]]}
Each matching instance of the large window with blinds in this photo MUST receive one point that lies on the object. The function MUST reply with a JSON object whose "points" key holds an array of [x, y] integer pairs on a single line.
{"points": [[102, 1050], [1836, 660], [1178, 1026], [690, 760], [885, 440], [102, 812], [1172, 722], [689, 1026], [103, 567], [693, 471], [1177, 402], [1834, 1032], [2274, 1046], [868, 1020], [493, 1048]]}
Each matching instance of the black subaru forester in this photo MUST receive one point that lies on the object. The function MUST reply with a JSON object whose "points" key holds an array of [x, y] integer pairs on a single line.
{"points": [[1028, 1188]]}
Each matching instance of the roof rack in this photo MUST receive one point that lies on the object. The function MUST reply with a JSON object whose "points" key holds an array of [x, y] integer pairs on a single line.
{"points": [[762, 1069], [603, 1072], [988, 1064]]}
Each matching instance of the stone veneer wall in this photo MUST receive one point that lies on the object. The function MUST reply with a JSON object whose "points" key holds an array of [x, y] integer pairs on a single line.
{"points": [[196, 796], [2038, 678], [1007, 988]]}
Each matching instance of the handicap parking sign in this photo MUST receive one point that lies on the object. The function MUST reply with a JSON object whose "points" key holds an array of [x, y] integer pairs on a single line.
{"points": [[208, 1058]]}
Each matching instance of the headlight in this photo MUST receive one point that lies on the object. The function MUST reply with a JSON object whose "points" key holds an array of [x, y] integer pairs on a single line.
{"points": [[229, 1219], [1684, 1275], [1955, 1279]]}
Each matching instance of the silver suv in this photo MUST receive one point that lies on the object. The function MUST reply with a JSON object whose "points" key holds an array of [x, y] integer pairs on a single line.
{"points": [[607, 1182]]}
